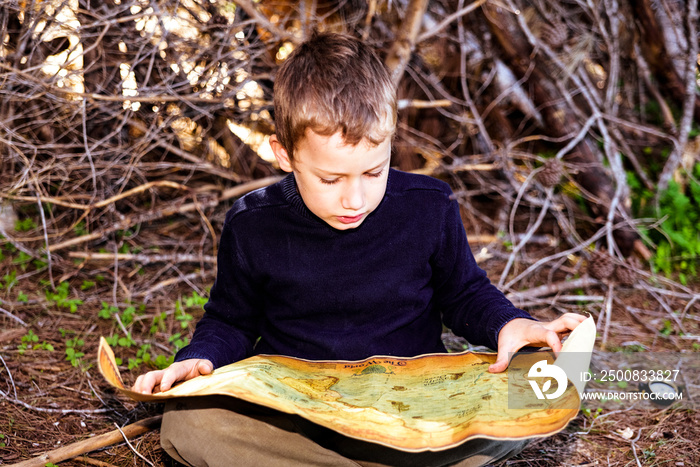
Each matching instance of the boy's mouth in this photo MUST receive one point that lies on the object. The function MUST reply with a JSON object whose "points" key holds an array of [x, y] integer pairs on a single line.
{"points": [[350, 220]]}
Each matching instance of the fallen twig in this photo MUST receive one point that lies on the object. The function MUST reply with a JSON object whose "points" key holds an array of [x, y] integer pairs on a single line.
{"points": [[547, 240], [143, 259], [550, 302], [126, 439], [91, 461], [91, 444], [174, 280], [550, 289], [12, 381], [10, 315], [607, 312], [5, 396]]}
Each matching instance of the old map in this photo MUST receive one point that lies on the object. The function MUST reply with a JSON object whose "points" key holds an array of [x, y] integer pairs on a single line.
{"points": [[430, 402]]}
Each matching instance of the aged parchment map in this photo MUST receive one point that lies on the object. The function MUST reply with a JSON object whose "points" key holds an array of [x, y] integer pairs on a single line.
{"points": [[430, 402]]}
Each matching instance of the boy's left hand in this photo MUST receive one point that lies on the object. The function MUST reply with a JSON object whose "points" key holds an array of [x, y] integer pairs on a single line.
{"points": [[523, 332]]}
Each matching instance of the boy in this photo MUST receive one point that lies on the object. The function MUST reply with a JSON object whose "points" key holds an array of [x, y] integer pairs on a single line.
{"points": [[342, 260]]}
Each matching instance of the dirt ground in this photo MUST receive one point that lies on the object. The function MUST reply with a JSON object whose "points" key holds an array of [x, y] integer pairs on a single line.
{"points": [[48, 403]]}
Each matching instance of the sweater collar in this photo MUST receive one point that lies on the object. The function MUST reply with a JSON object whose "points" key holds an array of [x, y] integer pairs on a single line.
{"points": [[291, 194]]}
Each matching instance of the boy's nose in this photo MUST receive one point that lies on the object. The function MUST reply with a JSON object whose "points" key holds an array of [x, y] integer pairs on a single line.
{"points": [[353, 197]]}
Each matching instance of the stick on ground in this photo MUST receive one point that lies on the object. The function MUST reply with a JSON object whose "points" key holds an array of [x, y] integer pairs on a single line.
{"points": [[90, 444]]}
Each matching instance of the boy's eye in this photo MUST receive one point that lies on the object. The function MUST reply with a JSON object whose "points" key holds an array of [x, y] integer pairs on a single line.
{"points": [[326, 181]]}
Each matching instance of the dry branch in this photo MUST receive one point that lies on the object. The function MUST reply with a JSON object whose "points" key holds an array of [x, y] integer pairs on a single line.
{"points": [[445, 22], [131, 221], [691, 101], [91, 444], [10, 315], [400, 52], [143, 259], [551, 289], [420, 104], [103, 203]]}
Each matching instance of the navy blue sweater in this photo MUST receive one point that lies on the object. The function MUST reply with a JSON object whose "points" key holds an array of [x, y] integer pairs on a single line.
{"points": [[290, 284]]}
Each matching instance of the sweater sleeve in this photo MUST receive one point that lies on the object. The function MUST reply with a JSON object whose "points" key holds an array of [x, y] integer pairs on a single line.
{"points": [[472, 307], [229, 328]]}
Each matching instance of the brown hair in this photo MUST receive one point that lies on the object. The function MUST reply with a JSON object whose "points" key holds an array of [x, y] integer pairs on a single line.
{"points": [[331, 83]]}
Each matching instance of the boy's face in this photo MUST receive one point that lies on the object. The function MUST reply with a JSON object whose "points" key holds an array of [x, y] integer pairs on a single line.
{"points": [[339, 183]]}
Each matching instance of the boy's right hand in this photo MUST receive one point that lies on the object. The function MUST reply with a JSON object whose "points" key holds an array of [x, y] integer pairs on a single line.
{"points": [[162, 380]]}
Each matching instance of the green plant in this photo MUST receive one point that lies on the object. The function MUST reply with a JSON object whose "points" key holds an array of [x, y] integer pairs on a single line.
{"points": [[10, 279], [60, 298], [22, 260], [678, 236], [667, 329], [158, 323], [107, 311], [80, 229], [161, 361], [73, 353], [195, 300], [178, 341], [30, 341], [120, 341], [181, 315], [142, 356], [2, 441], [590, 413], [38, 263], [127, 316], [25, 225]]}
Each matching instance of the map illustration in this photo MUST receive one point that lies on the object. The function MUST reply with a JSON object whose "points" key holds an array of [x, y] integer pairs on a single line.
{"points": [[429, 402]]}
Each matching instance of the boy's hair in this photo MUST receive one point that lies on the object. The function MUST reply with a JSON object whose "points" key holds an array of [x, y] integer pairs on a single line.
{"points": [[331, 83]]}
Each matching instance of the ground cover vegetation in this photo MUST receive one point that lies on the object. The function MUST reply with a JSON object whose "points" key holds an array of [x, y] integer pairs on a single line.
{"points": [[569, 131]]}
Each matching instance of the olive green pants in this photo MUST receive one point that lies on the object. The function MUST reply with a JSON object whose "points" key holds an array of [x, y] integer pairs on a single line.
{"points": [[224, 431]]}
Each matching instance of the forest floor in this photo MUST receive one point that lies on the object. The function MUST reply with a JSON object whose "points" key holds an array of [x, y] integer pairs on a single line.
{"points": [[53, 396]]}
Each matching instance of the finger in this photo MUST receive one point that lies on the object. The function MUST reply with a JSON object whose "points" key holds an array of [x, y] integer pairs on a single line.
{"points": [[205, 367], [172, 374], [502, 360], [137, 384], [565, 323], [553, 341], [145, 383]]}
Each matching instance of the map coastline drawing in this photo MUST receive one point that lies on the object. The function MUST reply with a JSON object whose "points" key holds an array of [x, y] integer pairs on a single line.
{"points": [[430, 402]]}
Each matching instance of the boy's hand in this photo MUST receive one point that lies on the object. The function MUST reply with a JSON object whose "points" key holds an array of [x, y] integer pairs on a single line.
{"points": [[162, 380], [521, 332]]}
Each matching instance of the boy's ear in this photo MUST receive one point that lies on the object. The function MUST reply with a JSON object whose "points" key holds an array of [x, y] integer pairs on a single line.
{"points": [[280, 154]]}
